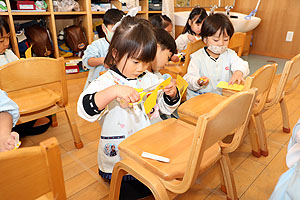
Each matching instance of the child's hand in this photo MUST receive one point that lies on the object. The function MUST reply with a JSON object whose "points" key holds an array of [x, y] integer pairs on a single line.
{"points": [[175, 58], [126, 95], [237, 77], [170, 89], [202, 81], [7, 141], [191, 38]]}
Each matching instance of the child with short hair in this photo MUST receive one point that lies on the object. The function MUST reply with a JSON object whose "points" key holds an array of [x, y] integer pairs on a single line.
{"points": [[108, 98], [162, 22], [95, 53], [9, 115], [6, 55], [192, 29], [215, 62], [166, 48]]}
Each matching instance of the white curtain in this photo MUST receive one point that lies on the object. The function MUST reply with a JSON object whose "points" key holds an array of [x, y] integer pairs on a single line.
{"points": [[168, 9]]}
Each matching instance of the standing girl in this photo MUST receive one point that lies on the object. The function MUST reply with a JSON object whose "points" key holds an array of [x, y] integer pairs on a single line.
{"points": [[108, 98], [192, 29], [215, 62]]}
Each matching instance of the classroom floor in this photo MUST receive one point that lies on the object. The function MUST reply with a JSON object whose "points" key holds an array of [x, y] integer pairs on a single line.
{"points": [[255, 177]]}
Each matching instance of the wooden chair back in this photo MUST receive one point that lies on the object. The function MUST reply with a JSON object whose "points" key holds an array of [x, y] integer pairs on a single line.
{"points": [[237, 42], [34, 72], [262, 79], [294, 74], [191, 48], [230, 116], [32, 172], [291, 71], [38, 86]]}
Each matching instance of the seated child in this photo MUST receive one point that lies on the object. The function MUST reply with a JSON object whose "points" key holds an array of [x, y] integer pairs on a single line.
{"points": [[162, 21], [108, 98], [215, 62], [192, 29], [288, 183], [6, 55], [9, 115], [95, 53], [166, 48]]}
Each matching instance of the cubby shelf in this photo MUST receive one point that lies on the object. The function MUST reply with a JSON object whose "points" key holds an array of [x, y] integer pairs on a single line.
{"points": [[57, 20]]}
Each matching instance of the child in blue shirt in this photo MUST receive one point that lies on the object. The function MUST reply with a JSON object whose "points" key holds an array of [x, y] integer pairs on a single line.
{"points": [[9, 115], [95, 53]]}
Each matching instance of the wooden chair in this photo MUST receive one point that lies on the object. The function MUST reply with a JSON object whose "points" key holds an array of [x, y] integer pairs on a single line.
{"points": [[181, 70], [191, 149], [38, 85], [262, 79], [32, 172], [291, 72], [237, 42]]}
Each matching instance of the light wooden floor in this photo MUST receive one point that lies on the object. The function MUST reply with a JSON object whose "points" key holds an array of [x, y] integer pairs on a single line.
{"points": [[255, 178]]}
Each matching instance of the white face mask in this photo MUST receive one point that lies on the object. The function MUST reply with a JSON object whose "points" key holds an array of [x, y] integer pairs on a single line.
{"points": [[217, 49], [108, 34]]}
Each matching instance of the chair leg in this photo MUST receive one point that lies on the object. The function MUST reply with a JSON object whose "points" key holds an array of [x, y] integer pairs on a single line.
{"points": [[254, 137], [228, 177], [75, 133], [261, 132], [143, 175], [222, 181], [54, 120], [285, 116]]}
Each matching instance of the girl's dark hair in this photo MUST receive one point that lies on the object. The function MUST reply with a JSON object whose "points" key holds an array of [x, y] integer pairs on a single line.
{"points": [[3, 25], [215, 22], [133, 38], [197, 11], [112, 16], [165, 40], [160, 21]]}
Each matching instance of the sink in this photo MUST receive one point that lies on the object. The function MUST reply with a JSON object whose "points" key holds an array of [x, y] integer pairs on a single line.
{"points": [[238, 20]]}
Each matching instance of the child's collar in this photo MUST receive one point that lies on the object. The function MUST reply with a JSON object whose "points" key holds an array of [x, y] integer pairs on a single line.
{"points": [[214, 59]]}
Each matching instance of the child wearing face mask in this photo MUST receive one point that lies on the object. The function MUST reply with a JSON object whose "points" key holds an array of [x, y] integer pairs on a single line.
{"points": [[95, 53], [192, 29], [215, 62]]}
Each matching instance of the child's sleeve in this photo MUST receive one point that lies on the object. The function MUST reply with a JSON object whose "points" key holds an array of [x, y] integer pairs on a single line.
{"points": [[193, 74], [181, 42], [238, 63], [86, 106], [8, 105], [93, 50], [166, 104]]}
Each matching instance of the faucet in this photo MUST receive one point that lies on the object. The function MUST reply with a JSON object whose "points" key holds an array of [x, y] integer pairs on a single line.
{"points": [[212, 9], [228, 8]]}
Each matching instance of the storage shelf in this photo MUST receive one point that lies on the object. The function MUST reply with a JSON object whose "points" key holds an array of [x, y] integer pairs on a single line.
{"points": [[30, 13], [71, 13], [98, 12], [150, 12], [4, 13]]}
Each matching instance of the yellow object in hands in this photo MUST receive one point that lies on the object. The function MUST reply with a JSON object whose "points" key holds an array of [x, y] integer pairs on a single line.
{"points": [[225, 85], [151, 100], [181, 85]]}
